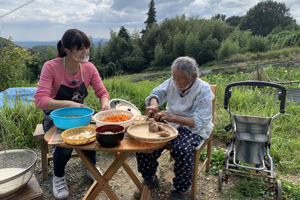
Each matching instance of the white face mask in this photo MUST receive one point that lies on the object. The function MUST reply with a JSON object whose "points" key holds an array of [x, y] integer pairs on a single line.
{"points": [[81, 60], [182, 89]]}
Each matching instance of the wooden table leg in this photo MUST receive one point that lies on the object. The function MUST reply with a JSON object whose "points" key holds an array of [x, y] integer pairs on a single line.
{"points": [[100, 184], [132, 175], [113, 168]]}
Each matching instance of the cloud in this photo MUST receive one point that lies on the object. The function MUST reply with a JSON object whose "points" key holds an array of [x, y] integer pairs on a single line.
{"points": [[48, 19]]}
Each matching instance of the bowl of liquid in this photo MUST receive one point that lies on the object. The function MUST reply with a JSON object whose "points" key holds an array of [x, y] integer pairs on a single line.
{"points": [[71, 117]]}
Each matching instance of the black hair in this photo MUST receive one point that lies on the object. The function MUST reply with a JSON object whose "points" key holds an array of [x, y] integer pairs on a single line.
{"points": [[72, 38]]}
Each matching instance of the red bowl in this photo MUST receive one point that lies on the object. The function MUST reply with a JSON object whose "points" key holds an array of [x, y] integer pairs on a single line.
{"points": [[110, 140]]}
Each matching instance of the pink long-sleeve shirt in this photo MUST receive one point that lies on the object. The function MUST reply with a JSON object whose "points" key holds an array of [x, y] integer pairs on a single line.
{"points": [[51, 77]]}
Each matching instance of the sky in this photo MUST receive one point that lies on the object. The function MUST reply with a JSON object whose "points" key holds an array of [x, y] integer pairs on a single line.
{"points": [[47, 20]]}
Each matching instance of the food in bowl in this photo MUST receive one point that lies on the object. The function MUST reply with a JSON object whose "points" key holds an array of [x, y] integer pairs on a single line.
{"points": [[71, 117], [110, 135], [116, 118], [100, 116], [82, 135], [159, 129], [16, 169], [79, 135], [108, 132]]}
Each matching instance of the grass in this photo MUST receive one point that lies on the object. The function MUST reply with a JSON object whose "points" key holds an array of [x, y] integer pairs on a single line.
{"points": [[17, 124]]}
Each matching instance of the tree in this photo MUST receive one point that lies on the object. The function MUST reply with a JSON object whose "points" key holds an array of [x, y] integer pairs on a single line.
{"points": [[149, 41], [219, 17], [151, 16], [159, 57], [228, 48], [12, 60], [207, 50], [191, 45], [33, 69], [92, 49], [98, 54], [233, 20], [265, 16], [257, 44], [178, 44], [123, 33], [49, 53]]}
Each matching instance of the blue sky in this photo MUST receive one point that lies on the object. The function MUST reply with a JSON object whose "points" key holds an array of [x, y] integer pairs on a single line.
{"points": [[45, 20]]}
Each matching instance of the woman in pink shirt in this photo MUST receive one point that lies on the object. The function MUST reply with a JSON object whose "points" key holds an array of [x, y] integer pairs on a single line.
{"points": [[63, 83]]}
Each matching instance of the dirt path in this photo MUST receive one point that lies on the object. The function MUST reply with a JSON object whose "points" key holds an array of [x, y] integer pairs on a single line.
{"points": [[121, 183], [123, 186]]}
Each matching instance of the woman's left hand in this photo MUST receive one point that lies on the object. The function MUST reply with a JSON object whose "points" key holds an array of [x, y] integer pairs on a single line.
{"points": [[163, 115], [105, 107]]}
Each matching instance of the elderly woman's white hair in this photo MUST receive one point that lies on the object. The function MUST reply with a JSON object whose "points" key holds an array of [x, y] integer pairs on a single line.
{"points": [[187, 65]]}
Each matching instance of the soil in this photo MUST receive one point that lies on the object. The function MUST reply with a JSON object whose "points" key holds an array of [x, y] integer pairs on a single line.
{"points": [[123, 186]]}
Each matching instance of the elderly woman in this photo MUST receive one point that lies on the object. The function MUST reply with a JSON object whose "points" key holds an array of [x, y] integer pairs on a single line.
{"points": [[189, 109]]}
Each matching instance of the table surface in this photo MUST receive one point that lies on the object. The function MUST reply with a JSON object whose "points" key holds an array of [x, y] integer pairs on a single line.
{"points": [[128, 144]]}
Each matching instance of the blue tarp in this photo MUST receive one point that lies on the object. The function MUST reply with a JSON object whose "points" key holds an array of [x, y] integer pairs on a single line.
{"points": [[25, 94]]}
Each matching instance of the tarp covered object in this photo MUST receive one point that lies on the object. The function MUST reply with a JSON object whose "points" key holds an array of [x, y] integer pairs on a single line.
{"points": [[25, 94]]}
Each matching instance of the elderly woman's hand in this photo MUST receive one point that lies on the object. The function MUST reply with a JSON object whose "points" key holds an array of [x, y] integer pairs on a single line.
{"points": [[152, 109], [163, 115]]}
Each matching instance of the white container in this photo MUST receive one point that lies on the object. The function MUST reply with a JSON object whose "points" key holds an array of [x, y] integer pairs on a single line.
{"points": [[99, 117], [120, 104]]}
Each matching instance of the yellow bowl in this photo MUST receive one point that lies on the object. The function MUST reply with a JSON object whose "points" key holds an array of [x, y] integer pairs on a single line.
{"points": [[80, 132]]}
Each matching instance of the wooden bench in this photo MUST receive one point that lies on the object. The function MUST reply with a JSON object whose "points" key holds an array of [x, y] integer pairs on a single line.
{"points": [[32, 191], [38, 136]]}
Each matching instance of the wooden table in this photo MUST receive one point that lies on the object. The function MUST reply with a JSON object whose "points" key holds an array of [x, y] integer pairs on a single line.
{"points": [[127, 146]]}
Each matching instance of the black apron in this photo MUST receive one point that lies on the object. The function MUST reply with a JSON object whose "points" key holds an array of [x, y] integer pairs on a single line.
{"points": [[76, 94]]}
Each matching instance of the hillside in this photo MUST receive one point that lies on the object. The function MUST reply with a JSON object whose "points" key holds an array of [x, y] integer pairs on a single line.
{"points": [[30, 44]]}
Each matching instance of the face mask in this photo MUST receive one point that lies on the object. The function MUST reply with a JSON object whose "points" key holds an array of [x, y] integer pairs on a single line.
{"points": [[182, 89], [82, 60]]}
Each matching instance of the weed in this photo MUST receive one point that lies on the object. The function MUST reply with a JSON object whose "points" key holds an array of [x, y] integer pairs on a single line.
{"points": [[217, 159]]}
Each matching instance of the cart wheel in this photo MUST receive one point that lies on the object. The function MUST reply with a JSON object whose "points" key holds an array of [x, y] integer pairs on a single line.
{"points": [[278, 190], [220, 179]]}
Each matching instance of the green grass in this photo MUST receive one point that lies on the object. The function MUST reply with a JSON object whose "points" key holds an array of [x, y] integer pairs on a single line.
{"points": [[18, 124]]}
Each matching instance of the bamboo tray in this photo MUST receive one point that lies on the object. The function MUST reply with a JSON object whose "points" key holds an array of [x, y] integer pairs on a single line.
{"points": [[140, 132]]}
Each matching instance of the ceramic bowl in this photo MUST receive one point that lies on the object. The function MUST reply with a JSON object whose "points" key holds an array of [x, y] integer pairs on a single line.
{"points": [[110, 135]]}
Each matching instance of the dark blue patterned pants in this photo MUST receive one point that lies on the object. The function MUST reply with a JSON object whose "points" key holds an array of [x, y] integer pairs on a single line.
{"points": [[182, 152]]}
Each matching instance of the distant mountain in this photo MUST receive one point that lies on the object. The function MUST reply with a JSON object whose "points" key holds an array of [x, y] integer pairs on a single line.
{"points": [[30, 44]]}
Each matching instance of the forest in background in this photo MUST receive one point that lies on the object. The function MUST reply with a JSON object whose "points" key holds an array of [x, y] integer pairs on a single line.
{"points": [[266, 27]]}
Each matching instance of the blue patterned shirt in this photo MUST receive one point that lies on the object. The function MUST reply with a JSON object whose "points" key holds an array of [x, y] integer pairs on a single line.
{"points": [[195, 103]]}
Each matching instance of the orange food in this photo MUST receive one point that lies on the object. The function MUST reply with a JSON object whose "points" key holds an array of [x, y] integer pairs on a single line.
{"points": [[116, 118]]}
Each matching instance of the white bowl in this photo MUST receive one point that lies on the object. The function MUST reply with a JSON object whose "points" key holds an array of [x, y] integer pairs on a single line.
{"points": [[99, 117]]}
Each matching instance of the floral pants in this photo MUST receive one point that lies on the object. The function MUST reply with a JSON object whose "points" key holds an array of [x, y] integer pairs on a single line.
{"points": [[182, 153]]}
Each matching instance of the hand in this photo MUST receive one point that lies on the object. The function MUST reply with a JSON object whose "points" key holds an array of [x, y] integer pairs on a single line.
{"points": [[75, 104], [152, 109], [163, 115], [105, 107]]}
